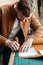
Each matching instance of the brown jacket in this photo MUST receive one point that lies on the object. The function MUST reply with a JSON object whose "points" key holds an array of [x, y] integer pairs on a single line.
{"points": [[7, 20]]}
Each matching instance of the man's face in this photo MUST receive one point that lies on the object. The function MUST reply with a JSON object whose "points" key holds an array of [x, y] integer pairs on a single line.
{"points": [[20, 15]]}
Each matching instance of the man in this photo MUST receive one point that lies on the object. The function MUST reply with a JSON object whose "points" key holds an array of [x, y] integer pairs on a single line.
{"points": [[21, 13]]}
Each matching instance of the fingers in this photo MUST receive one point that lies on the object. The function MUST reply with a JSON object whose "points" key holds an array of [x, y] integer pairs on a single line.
{"points": [[12, 48], [12, 45], [24, 48], [26, 45], [15, 45]]}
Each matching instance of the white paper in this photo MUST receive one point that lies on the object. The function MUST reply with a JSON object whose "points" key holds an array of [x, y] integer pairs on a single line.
{"points": [[31, 52], [41, 52]]}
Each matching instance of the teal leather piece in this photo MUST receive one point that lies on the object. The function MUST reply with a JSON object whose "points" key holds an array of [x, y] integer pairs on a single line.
{"points": [[25, 61]]}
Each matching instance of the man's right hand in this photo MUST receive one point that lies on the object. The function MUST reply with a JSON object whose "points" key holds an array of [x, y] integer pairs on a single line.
{"points": [[12, 45]]}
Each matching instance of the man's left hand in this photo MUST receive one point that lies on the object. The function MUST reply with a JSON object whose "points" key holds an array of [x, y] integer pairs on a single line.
{"points": [[26, 45]]}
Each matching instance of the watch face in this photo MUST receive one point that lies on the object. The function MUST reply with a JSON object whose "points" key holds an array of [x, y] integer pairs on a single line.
{"points": [[30, 32]]}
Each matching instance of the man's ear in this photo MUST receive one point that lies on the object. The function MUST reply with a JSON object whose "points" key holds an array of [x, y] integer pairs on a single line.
{"points": [[16, 6]]}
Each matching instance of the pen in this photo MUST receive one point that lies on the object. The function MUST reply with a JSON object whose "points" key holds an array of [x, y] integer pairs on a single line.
{"points": [[17, 40]]}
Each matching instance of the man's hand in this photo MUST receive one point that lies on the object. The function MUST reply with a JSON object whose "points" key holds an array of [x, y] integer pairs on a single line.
{"points": [[26, 45], [12, 45]]}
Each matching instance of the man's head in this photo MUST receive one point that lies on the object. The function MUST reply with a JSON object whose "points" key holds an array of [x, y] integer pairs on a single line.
{"points": [[27, 6]]}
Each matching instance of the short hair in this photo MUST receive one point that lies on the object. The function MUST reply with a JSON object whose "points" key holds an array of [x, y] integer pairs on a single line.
{"points": [[26, 4]]}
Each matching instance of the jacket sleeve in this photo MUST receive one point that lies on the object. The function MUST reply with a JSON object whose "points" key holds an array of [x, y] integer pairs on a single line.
{"points": [[2, 40], [37, 27]]}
